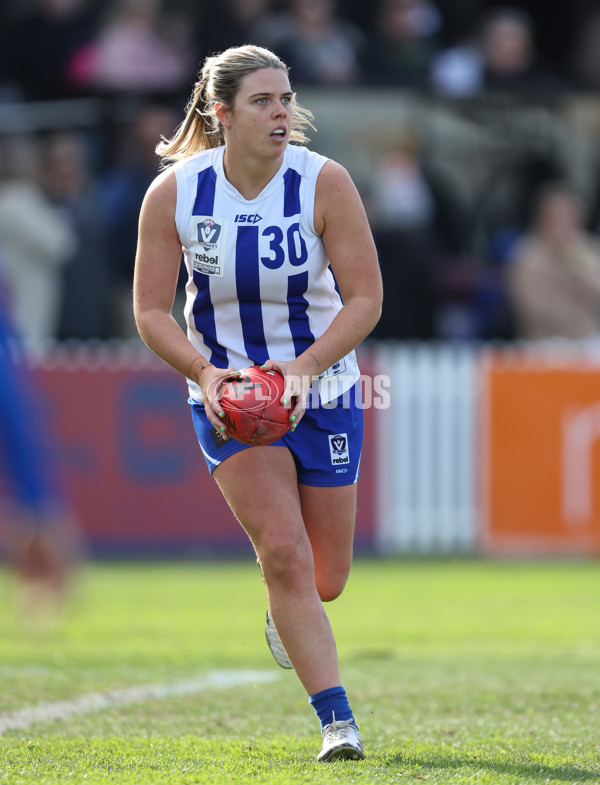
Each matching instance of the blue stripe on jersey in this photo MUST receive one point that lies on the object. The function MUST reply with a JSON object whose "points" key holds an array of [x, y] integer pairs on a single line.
{"points": [[297, 306], [291, 194], [203, 310], [247, 279], [204, 319], [205, 192]]}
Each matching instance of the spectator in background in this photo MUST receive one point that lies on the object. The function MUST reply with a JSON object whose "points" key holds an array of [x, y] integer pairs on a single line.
{"points": [[457, 70], [87, 284], [585, 55], [142, 49], [500, 57], [498, 218], [402, 43], [320, 47], [510, 58], [554, 272], [42, 56], [37, 240], [417, 225], [122, 189]]}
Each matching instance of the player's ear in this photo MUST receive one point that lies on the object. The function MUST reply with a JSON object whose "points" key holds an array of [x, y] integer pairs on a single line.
{"points": [[223, 114]]}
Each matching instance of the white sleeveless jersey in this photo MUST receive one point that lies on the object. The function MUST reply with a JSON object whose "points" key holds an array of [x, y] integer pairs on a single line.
{"points": [[259, 284]]}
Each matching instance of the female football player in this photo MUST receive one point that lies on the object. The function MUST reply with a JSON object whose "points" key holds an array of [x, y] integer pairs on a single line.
{"points": [[282, 273]]}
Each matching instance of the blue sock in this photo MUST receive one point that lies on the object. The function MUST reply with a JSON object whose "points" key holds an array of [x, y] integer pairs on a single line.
{"points": [[328, 702]]}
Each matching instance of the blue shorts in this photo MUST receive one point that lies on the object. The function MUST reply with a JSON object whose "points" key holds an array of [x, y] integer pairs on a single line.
{"points": [[325, 446]]}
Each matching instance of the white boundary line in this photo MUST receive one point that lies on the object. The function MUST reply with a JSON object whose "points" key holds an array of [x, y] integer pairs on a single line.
{"points": [[22, 719]]}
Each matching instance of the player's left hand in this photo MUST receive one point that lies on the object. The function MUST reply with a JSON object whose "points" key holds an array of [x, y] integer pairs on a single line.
{"points": [[297, 385]]}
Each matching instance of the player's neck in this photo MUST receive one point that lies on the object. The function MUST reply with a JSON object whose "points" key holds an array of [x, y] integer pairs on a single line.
{"points": [[248, 175]]}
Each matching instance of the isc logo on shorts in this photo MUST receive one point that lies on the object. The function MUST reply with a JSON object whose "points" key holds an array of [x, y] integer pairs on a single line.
{"points": [[338, 449]]}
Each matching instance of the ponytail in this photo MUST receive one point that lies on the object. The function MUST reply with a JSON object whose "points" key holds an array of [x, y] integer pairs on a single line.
{"points": [[199, 130]]}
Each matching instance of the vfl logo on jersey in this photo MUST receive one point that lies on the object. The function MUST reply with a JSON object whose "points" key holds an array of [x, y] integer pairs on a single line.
{"points": [[208, 236], [208, 233], [338, 449]]}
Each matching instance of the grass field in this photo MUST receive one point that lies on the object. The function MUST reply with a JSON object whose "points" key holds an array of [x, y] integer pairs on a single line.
{"points": [[458, 672]]}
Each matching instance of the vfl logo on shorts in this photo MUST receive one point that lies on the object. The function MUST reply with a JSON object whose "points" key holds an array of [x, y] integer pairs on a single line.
{"points": [[218, 440], [338, 449]]}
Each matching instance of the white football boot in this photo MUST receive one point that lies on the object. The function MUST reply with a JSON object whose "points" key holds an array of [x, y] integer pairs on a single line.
{"points": [[275, 644], [341, 741]]}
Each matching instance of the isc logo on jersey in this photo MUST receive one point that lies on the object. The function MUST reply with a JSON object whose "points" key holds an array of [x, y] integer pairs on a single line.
{"points": [[338, 449], [242, 218]]}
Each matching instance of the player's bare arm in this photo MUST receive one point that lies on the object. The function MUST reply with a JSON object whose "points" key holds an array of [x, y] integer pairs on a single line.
{"points": [[155, 281], [341, 220]]}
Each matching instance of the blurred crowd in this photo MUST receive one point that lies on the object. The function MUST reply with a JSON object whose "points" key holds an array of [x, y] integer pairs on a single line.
{"points": [[70, 195]]}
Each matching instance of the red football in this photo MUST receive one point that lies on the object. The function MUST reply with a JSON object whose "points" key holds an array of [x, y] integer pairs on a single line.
{"points": [[252, 408]]}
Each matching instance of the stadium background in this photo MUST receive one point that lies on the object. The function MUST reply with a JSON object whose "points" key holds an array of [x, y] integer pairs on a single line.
{"points": [[489, 446]]}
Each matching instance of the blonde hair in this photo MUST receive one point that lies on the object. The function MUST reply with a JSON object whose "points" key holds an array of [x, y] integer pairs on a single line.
{"points": [[219, 82]]}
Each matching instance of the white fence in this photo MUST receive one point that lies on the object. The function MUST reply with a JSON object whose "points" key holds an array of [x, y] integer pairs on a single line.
{"points": [[432, 441], [427, 450]]}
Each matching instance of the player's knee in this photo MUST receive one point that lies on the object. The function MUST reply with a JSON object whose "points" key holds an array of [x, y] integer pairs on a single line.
{"points": [[284, 562]]}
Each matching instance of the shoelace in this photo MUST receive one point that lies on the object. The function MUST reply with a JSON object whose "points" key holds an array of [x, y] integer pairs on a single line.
{"points": [[338, 725]]}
